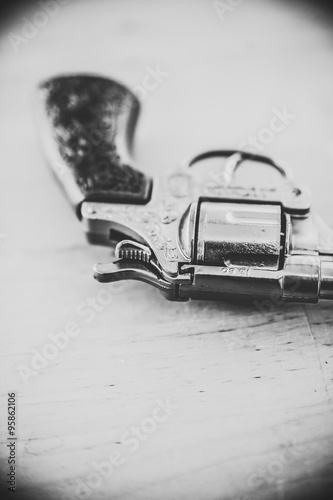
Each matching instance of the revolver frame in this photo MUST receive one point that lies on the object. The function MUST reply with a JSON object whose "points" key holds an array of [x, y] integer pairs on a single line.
{"points": [[202, 236]]}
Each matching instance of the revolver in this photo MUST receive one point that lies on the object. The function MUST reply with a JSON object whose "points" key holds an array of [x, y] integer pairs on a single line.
{"points": [[196, 232]]}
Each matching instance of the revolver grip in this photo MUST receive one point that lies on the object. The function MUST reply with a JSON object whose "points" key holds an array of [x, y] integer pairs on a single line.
{"points": [[87, 126]]}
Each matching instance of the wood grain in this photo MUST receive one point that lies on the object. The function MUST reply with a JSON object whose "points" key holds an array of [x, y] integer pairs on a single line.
{"points": [[253, 389]]}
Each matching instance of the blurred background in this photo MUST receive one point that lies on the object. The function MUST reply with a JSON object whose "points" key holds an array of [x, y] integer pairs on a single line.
{"points": [[225, 68]]}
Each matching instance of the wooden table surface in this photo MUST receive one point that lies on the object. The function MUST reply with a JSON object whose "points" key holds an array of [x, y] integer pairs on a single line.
{"points": [[197, 400]]}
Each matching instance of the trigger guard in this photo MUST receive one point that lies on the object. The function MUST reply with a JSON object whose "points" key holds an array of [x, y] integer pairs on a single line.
{"points": [[240, 157]]}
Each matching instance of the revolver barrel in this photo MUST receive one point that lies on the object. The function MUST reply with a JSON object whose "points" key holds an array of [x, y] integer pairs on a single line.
{"points": [[326, 285]]}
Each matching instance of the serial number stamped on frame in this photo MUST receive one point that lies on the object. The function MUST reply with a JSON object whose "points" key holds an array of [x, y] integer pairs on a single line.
{"points": [[235, 271], [11, 441]]}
